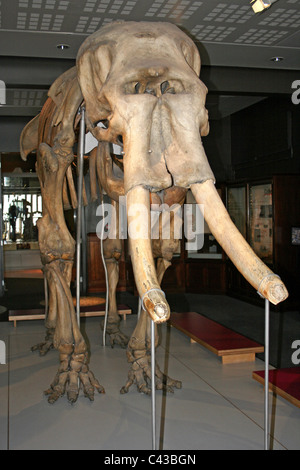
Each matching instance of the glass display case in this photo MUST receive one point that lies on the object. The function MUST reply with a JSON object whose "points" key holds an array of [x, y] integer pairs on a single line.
{"points": [[21, 208]]}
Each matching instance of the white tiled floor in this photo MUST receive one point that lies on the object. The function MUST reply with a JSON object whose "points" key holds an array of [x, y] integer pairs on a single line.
{"points": [[219, 406]]}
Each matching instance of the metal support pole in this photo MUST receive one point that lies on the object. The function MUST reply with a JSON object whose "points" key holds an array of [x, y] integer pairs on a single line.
{"points": [[80, 154], [266, 418], [267, 346], [46, 296], [106, 277], [139, 307], [153, 385], [83, 253], [1, 238]]}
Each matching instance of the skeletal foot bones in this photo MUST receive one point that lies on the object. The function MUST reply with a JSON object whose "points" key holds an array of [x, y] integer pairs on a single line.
{"points": [[73, 375], [116, 336], [140, 374], [46, 345]]}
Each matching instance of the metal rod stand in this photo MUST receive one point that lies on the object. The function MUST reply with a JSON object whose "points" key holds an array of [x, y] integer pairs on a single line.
{"points": [[153, 385], [266, 418], [139, 307], [46, 296], [106, 278], [80, 153]]}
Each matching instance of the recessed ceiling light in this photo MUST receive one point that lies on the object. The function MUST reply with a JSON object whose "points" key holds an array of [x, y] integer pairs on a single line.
{"points": [[63, 46], [276, 59], [261, 5]]}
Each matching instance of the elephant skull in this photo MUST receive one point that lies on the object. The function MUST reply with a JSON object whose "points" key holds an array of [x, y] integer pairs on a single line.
{"points": [[142, 80]]}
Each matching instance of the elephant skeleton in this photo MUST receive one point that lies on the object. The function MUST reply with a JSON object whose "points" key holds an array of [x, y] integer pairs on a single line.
{"points": [[141, 80]]}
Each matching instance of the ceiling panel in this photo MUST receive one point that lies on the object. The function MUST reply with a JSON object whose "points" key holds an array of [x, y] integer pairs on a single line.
{"points": [[228, 34], [209, 22], [25, 97]]}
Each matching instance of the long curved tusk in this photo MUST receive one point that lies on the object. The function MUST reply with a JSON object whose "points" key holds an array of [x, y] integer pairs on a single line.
{"points": [[241, 254], [139, 227]]}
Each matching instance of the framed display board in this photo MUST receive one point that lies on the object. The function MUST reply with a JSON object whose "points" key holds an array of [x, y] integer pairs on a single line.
{"points": [[271, 222], [236, 205], [261, 220], [295, 235]]}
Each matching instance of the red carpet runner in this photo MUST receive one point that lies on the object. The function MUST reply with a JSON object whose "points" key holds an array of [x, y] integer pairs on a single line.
{"points": [[222, 341], [284, 382]]}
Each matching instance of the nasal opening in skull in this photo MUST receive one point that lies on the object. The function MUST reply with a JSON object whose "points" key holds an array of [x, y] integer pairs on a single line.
{"points": [[154, 87], [137, 88], [150, 90], [165, 87]]}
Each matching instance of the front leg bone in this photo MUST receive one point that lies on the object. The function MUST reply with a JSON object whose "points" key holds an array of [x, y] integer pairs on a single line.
{"points": [[112, 250], [68, 340], [113, 321], [57, 251]]}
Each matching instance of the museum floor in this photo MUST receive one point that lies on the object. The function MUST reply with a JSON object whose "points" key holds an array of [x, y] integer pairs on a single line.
{"points": [[219, 406]]}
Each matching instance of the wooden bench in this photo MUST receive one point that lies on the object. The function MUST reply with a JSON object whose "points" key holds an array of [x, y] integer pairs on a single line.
{"points": [[222, 341], [87, 311], [283, 382]]}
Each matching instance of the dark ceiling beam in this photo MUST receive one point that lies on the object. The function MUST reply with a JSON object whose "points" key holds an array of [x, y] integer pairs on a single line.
{"points": [[27, 111], [32, 72], [240, 81], [40, 72]]}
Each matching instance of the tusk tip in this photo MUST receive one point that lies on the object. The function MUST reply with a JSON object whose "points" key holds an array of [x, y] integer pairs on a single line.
{"points": [[157, 308], [161, 310], [278, 293], [275, 290]]}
